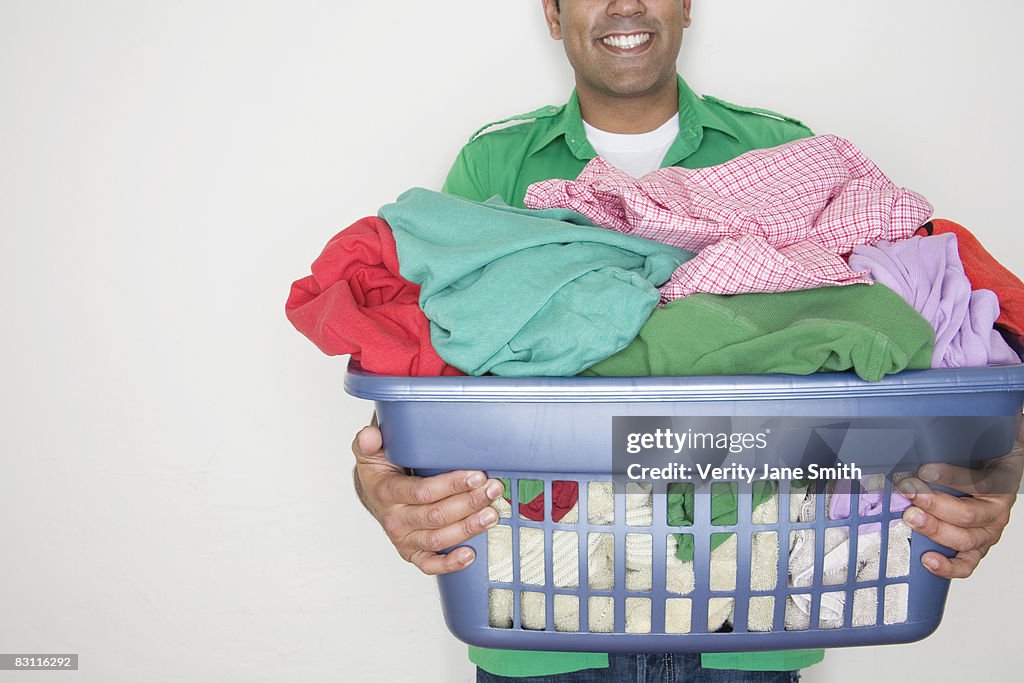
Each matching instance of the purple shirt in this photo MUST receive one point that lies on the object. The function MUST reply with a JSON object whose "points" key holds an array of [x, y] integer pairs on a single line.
{"points": [[928, 274]]}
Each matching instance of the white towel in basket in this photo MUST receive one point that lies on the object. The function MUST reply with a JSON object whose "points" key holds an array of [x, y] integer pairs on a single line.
{"points": [[834, 571]]}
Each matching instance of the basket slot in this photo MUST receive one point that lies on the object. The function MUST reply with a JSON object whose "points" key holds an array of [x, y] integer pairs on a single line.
{"points": [[565, 558], [764, 556], [602, 613], [566, 613], [601, 561], [832, 611], [868, 541], [639, 504], [532, 556], [678, 615], [801, 507], [723, 562], [897, 600], [571, 516], [534, 615], [836, 562], [499, 607], [798, 608], [600, 503], [760, 616], [872, 483], [499, 554], [898, 550], [865, 601], [527, 491], [639, 561], [720, 614], [767, 513], [679, 576], [638, 615]]}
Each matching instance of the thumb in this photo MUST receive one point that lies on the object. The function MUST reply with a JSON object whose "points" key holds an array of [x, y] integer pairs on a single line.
{"points": [[368, 442], [997, 477], [368, 447]]}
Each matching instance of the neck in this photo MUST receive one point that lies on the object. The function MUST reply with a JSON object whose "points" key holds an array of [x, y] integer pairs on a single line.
{"points": [[632, 114]]}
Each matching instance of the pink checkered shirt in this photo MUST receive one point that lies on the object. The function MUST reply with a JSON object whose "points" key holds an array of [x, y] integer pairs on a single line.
{"points": [[770, 220]]}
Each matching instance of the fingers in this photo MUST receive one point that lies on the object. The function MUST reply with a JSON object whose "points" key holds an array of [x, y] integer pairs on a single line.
{"points": [[959, 567], [436, 540], [409, 490], [411, 524], [433, 563], [968, 525], [453, 508], [963, 512], [421, 532], [952, 536]]}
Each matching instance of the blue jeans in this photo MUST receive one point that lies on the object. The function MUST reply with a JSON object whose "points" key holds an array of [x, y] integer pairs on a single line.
{"points": [[651, 669]]}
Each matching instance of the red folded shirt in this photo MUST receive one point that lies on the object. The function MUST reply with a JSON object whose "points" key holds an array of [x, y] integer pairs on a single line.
{"points": [[356, 302], [985, 272]]}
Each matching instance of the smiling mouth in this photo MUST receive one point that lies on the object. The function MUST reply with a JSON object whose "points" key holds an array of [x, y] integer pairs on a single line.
{"points": [[627, 41]]}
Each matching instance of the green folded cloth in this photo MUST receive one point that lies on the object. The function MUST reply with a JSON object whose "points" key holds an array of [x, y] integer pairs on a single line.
{"points": [[865, 328], [518, 292]]}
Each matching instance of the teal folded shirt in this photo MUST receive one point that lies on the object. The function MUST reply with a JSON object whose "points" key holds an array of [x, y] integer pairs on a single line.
{"points": [[865, 328], [518, 292]]}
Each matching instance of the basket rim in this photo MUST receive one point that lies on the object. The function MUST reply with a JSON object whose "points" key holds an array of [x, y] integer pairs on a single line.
{"points": [[491, 389]]}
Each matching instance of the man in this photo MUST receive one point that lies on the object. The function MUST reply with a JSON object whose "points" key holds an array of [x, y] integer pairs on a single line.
{"points": [[630, 106]]}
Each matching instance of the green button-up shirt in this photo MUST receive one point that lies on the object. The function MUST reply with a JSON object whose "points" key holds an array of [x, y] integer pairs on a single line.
{"points": [[551, 143]]}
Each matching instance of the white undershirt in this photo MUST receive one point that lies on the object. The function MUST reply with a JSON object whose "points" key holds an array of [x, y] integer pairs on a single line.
{"points": [[638, 153]]}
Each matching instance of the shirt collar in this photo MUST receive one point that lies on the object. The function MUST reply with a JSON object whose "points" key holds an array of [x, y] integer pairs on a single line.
{"points": [[694, 115]]}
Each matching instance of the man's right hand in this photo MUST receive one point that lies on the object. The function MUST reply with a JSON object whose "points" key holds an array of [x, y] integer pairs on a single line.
{"points": [[423, 515]]}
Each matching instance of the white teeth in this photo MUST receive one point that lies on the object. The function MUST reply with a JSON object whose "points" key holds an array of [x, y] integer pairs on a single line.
{"points": [[627, 42]]}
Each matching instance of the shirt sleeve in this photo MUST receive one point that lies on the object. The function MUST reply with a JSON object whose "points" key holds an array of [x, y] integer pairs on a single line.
{"points": [[467, 177], [790, 130]]}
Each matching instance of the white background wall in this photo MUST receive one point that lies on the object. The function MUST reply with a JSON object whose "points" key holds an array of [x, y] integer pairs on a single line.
{"points": [[175, 496]]}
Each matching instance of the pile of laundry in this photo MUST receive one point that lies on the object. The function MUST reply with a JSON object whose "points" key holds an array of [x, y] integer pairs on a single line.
{"points": [[796, 259]]}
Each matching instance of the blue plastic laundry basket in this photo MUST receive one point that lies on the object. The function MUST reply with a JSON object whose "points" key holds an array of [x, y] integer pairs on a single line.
{"points": [[560, 430]]}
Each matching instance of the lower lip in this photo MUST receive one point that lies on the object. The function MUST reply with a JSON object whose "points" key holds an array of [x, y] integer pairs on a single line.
{"points": [[638, 50]]}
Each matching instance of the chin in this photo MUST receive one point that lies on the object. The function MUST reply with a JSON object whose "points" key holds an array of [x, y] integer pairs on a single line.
{"points": [[634, 87]]}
